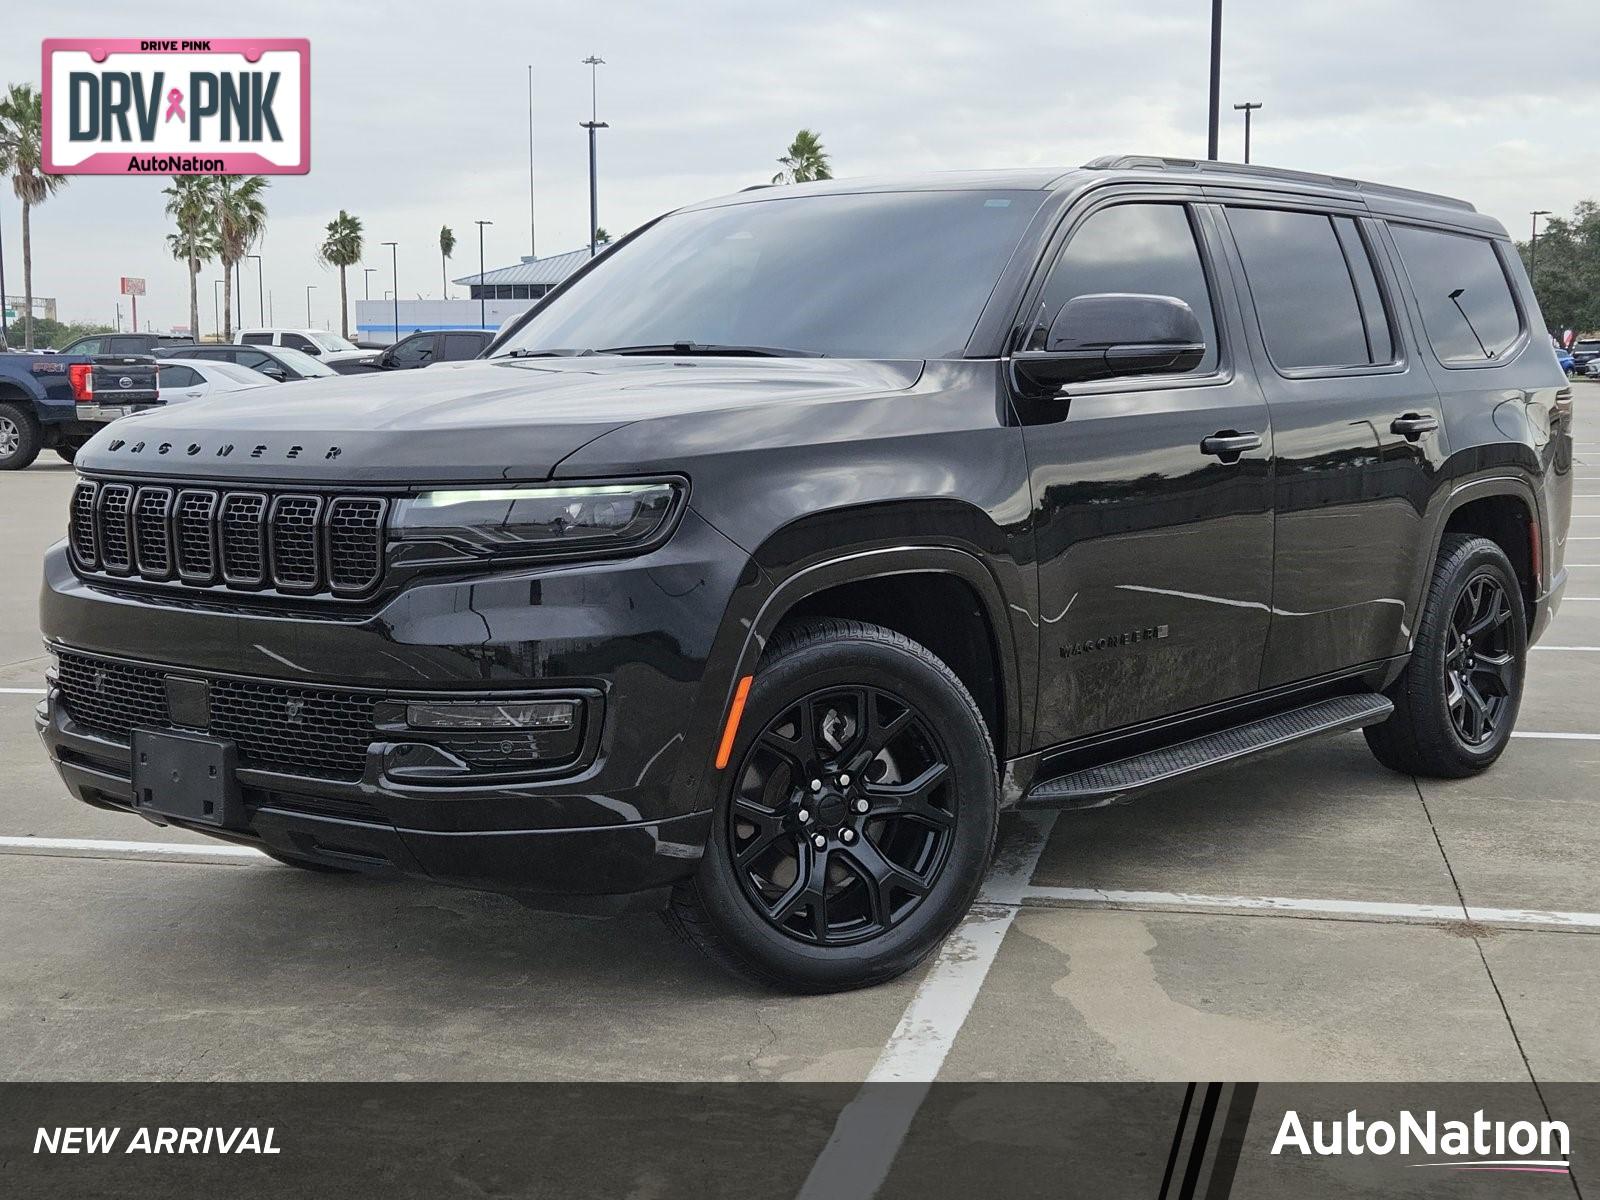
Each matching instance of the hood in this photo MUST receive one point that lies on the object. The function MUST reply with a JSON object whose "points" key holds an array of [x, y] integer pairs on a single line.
{"points": [[356, 355], [476, 420]]}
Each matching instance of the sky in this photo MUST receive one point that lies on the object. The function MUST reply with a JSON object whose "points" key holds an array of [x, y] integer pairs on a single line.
{"points": [[420, 114]]}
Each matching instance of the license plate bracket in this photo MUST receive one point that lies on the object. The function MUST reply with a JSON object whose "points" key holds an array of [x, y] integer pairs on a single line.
{"points": [[188, 777]]}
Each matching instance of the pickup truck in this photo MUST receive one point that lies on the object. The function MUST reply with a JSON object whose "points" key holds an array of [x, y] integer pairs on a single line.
{"points": [[59, 401]]}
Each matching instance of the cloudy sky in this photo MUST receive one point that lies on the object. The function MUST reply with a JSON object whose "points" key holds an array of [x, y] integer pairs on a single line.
{"points": [[419, 112]]}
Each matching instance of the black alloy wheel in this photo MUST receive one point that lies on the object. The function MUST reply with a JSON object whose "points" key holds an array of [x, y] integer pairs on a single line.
{"points": [[1480, 661], [842, 817]]}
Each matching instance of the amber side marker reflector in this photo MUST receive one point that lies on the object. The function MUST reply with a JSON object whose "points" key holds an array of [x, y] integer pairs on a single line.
{"points": [[731, 730]]}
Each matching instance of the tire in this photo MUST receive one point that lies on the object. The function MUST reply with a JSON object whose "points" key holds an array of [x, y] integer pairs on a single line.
{"points": [[19, 437], [306, 864], [769, 906], [1442, 727], [68, 451]]}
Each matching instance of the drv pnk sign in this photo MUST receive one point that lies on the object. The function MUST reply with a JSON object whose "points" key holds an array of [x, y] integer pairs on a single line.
{"points": [[163, 106]]}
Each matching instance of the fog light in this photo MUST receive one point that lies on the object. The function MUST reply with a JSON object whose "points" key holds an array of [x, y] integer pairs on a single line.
{"points": [[516, 714]]}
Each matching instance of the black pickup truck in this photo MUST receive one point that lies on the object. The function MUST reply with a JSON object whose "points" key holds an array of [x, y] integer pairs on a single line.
{"points": [[59, 401]]}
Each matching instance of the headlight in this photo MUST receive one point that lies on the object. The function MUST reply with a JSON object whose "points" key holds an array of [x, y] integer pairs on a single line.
{"points": [[534, 521]]}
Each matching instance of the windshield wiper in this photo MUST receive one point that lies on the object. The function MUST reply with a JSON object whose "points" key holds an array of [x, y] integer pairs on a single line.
{"points": [[562, 352], [713, 348]]}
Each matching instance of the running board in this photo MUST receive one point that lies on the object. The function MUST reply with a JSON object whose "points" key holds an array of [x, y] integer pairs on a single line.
{"points": [[1095, 787]]}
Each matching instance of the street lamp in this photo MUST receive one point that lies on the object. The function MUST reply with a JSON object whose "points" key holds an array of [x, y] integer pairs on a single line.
{"points": [[366, 281], [594, 62], [216, 308], [394, 264], [483, 301], [1533, 242], [1248, 107], [1216, 79], [261, 291], [533, 238], [309, 287]]}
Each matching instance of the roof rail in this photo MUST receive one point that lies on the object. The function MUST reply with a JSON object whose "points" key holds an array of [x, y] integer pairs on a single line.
{"points": [[1149, 162]]}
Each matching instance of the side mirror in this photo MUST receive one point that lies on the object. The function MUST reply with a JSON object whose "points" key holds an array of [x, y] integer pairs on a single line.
{"points": [[274, 373], [1112, 334]]}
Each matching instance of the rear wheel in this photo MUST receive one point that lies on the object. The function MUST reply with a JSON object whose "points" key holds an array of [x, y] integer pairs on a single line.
{"points": [[68, 451], [855, 821], [19, 437], [1456, 702]]}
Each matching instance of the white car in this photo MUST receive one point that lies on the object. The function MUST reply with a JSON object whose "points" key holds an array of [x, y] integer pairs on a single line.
{"points": [[196, 378], [327, 347]]}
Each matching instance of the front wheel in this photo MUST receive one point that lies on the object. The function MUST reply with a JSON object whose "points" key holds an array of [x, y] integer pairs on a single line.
{"points": [[855, 819], [1456, 702]]}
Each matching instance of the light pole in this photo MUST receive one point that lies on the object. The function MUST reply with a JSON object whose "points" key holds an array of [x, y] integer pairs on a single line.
{"points": [[1248, 107], [309, 288], [216, 308], [483, 301], [1533, 242], [394, 263], [261, 291], [1216, 79], [533, 240], [594, 62], [5, 331], [366, 281]]}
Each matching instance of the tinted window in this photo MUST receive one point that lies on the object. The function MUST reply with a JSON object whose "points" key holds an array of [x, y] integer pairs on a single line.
{"points": [[86, 346], [884, 274], [414, 352], [1304, 296], [1462, 291], [180, 377], [253, 359], [304, 344], [126, 345], [1380, 337], [257, 339], [1139, 248], [458, 346]]}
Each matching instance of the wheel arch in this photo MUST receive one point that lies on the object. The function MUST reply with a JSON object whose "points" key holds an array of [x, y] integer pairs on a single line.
{"points": [[1506, 510]]}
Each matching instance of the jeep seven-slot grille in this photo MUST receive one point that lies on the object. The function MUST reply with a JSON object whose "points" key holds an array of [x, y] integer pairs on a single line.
{"points": [[321, 732], [293, 542]]}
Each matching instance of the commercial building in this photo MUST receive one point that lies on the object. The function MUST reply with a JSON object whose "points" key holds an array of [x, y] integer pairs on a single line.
{"points": [[490, 300]]}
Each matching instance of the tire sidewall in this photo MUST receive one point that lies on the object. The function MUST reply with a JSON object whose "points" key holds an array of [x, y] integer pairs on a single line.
{"points": [[29, 437], [948, 710], [1485, 558]]}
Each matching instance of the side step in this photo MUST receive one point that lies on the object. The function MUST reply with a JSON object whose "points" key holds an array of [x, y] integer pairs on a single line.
{"points": [[1094, 787]]}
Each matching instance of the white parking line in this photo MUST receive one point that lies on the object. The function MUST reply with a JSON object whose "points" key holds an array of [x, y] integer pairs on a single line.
{"points": [[1369, 909], [49, 847], [1560, 737], [22, 691], [868, 1133], [1576, 649]]}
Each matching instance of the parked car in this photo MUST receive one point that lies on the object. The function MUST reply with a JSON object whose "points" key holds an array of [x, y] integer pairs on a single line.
{"points": [[59, 401], [1564, 358], [1584, 352], [330, 348], [426, 347], [125, 343], [278, 363], [199, 378], [786, 544]]}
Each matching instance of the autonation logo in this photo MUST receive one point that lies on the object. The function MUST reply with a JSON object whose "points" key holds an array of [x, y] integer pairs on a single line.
{"points": [[1476, 1145]]}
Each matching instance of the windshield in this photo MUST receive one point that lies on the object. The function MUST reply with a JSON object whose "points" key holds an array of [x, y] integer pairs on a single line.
{"points": [[872, 275], [330, 341], [300, 361]]}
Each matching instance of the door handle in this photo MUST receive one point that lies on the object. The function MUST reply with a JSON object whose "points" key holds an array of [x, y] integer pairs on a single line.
{"points": [[1227, 445], [1414, 425]]}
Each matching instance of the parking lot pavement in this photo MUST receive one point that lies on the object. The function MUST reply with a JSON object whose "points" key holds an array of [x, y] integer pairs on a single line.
{"points": [[1312, 916]]}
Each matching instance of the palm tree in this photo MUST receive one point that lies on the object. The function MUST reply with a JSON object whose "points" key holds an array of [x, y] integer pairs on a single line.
{"points": [[602, 236], [804, 161], [21, 137], [241, 218], [342, 249], [447, 247], [193, 208]]}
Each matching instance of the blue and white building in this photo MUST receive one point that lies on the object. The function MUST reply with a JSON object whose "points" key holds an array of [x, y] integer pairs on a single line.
{"points": [[489, 300]]}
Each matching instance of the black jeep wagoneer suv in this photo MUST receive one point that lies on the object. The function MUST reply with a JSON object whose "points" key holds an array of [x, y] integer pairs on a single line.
{"points": [[759, 567]]}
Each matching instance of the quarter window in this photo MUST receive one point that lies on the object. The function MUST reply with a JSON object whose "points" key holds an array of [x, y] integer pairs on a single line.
{"points": [[1300, 282], [1461, 288], [1147, 249], [257, 339]]}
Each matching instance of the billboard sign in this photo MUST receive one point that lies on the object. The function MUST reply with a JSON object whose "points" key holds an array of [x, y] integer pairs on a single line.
{"points": [[213, 106], [132, 286]]}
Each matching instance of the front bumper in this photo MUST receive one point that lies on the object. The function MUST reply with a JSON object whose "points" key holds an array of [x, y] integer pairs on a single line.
{"points": [[627, 816]]}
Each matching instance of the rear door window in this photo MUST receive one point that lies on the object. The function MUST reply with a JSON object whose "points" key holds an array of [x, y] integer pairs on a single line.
{"points": [[1304, 294], [1147, 249], [180, 377], [1461, 287]]}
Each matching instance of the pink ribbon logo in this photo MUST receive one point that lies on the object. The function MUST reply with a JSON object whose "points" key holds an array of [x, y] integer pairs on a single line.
{"points": [[175, 105]]}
